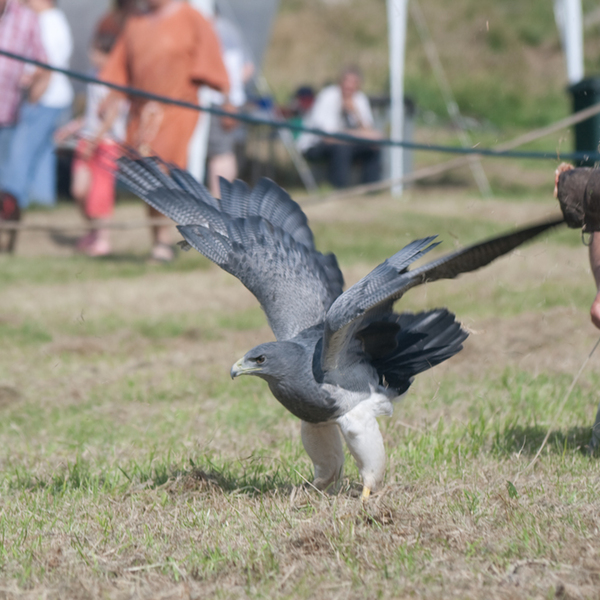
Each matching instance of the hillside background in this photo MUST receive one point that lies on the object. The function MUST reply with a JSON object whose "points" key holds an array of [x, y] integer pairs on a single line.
{"points": [[502, 57]]}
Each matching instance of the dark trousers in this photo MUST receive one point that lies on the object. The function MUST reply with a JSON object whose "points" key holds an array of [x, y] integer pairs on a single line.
{"points": [[340, 158]]}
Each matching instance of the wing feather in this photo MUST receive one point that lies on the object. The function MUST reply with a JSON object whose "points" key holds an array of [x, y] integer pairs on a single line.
{"points": [[376, 293], [187, 183], [270, 202]]}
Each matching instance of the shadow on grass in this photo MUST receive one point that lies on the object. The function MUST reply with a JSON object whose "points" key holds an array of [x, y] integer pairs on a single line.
{"points": [[67, 240], [124, 259], [249, 477], [527, 440], [64, 239], [249, 484]]}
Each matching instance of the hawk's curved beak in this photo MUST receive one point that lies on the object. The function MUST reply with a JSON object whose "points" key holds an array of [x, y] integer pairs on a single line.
{"points": [[237, 369], [241, 367]]}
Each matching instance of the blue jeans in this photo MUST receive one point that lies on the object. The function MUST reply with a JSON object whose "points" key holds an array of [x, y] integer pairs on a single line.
{"points": [[340, 158], [32, 149], [6, 133]]}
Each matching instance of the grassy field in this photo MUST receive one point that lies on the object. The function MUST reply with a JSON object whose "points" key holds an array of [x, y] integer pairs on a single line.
{"points": [[131, 466]]}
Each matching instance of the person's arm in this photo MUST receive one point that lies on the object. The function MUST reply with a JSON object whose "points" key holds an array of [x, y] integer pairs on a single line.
{"points": [[37, 84], [72, 128], [109, 116], [595, 265], [367, 128], [349, 105]]}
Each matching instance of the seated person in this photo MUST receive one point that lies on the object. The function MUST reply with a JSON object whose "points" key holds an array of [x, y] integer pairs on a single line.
{"points": [[343, 108], [298, 108]]}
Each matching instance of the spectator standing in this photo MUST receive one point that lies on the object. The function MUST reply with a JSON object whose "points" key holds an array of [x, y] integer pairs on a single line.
{"points": [[343, 108], [94, 164], [19, 33], [170, 51], [32, 157], [222, 161]]}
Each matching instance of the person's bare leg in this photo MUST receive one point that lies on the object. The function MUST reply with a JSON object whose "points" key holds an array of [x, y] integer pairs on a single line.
{"points": [[81, 182], [222, 165], [161, 238], [100, 244]]}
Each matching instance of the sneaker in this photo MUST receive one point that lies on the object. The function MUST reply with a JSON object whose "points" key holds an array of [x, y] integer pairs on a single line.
{"points": [[83, 243], [162, 253], [9, 211], [99, 247]]}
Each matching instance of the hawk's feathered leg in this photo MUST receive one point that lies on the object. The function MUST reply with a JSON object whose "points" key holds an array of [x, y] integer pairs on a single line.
{"points": [[323, 444], [361, 431]]}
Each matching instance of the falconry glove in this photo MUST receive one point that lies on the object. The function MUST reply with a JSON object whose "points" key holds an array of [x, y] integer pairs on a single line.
{"points": [[578, 193]]}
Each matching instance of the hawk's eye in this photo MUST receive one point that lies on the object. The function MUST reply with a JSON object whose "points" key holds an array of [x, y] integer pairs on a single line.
{"points": [[260, 359]]}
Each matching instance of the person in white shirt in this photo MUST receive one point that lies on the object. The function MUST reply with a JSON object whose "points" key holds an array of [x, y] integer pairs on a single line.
{"points": [[31, 169], [343, 108]]}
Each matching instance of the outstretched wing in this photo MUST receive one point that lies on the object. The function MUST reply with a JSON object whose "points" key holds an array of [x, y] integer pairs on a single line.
{"points": [[176, 194], [376, 293], [260, 236]]}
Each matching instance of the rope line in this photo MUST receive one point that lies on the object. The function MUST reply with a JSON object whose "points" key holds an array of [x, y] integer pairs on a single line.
{"points": [[342, 137]]}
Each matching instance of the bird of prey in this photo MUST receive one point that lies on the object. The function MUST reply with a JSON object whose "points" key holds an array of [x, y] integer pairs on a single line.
{"points": [[341, 359]]}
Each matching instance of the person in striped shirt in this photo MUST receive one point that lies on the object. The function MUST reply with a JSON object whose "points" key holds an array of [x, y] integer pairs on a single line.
{"points": [[19, 34]]}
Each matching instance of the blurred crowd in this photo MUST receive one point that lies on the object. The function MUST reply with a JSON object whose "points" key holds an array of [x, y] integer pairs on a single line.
{"points": [[168, 48]]}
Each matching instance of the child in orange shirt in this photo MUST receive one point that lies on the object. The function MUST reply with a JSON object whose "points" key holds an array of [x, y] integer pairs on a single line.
{"points": [[171, 50]]}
